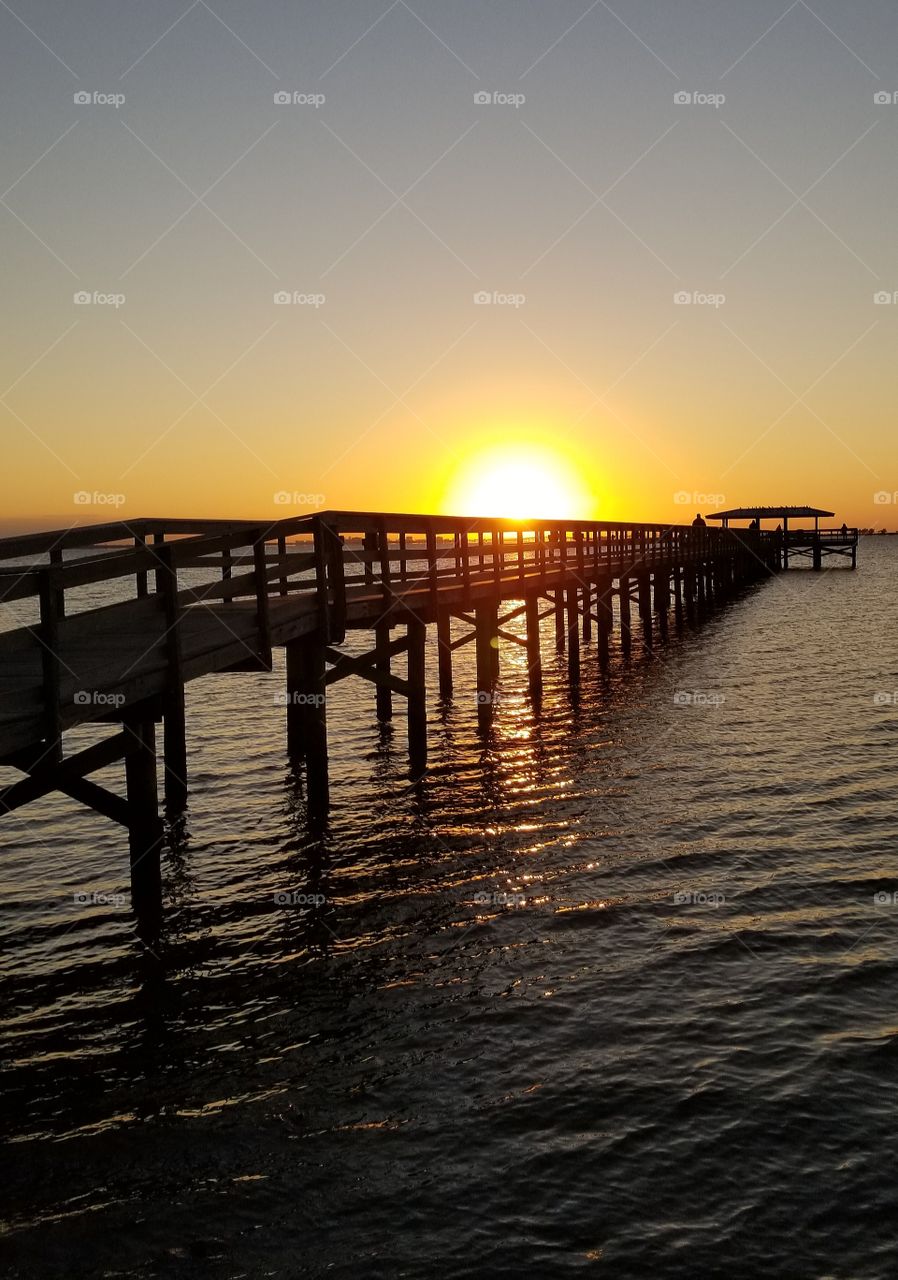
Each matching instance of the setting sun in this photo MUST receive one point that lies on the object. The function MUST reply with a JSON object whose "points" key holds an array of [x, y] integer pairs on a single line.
{"points": [[520, 483]]}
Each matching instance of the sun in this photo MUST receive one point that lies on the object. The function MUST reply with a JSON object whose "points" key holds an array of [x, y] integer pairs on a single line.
{"points": [[520, 484]]}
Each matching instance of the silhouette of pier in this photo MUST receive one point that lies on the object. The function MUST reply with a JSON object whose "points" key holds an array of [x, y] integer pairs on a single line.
{"points": [[195, 597]]}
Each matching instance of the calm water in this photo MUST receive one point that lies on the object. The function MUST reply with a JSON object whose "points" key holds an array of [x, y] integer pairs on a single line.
{"points": [[607, 994]]}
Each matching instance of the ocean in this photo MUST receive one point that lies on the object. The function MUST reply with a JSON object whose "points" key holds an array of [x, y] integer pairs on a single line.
{"points": [[610, 991]]}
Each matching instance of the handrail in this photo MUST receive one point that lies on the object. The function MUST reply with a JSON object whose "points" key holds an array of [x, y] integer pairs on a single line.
{"points": [[391, 555]]}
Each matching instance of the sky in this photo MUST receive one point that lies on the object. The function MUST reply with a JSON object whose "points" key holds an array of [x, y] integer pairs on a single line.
{"points": [[439, 255]]}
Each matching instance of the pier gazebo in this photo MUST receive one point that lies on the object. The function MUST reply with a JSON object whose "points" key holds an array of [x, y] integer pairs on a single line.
{"points": [[813, 543]]}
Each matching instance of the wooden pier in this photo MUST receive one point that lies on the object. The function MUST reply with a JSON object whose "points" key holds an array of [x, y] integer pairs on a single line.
{"points": [[212, 596]]}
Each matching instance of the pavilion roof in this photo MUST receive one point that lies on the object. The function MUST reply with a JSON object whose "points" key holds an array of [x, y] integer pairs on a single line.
{"points": [[769, 513]]}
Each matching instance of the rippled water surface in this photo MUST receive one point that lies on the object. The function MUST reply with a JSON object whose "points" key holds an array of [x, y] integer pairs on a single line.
{"points": [[609, 992]]}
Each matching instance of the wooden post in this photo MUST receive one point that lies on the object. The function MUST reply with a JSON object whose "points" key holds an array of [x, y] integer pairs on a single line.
{"points": [[559, 619], [383, 695], [626, 628], [605, 618], [534, 658], [417, 694], [309, 677], [573, 636], [144, 824], [645, 606], [485, 622], [444, 651], [587, 612]]}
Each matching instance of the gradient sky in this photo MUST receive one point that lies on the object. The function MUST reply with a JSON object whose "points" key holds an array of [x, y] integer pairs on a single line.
{"points": [[400, 197]]}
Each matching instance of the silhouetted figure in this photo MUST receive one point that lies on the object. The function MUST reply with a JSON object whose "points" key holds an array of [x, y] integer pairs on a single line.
{"points": [[844, 529], [698, 522]]}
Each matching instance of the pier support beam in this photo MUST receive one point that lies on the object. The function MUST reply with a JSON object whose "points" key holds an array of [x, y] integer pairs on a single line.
{"points": [[444, 652], [573, 635], [174, 737], [559, 619], [645, 607], [485, 642], [626, 628], [534, 658], [307, 715], [417, 694], [605, 619], [144, 823], [383, 696], [587, 613]]}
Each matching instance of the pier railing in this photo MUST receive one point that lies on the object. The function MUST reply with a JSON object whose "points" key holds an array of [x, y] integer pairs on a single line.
{"points": [[331, 557]]}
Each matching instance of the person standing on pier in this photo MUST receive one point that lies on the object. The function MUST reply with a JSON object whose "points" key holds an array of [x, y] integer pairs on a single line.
{"points": [[698, 522]]}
